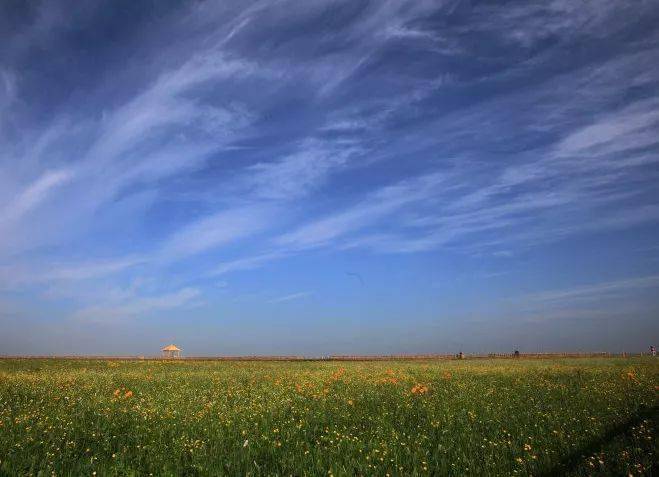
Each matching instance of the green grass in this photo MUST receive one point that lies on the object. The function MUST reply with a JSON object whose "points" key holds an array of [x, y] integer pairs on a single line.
{"points": [[481, 417]]}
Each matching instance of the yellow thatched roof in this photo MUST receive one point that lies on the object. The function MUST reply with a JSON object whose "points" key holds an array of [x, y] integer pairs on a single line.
{"points": [[170, 348]]}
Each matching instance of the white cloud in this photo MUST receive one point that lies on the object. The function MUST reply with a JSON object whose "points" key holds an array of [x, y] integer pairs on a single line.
{"points": [[299, 173], [91, 270], [139, 306], [617, 299], [378, 205], [215, 230], [633, 127], [7, 94], [162, 131], [34, 194], [247, 263], [291, 297], [17, 275], [594, 292]]}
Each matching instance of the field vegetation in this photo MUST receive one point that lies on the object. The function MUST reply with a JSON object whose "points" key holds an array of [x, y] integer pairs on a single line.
{"points": [[445, 417]]}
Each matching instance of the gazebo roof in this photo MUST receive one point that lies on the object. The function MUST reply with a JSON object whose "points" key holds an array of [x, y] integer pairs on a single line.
{"points": [[171, 347]]}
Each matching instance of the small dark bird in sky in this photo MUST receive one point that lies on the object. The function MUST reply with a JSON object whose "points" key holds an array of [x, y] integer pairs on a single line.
{"points": [[356, 275]]}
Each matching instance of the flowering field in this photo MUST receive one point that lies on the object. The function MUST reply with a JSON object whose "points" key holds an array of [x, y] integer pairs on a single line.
{"points": [[480, 417]]}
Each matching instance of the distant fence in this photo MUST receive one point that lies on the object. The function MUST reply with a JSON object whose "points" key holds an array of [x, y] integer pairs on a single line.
{"points": [[479, 356], [401, 357], [161, 358]]}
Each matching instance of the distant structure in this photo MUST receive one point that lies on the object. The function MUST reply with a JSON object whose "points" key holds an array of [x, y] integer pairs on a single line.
{"points": [[171, 351]]}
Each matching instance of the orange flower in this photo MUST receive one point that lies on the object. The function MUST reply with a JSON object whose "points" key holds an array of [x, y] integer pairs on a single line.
{"points": [[419, 389], [128, 394], [116, 392], [337, 374]]}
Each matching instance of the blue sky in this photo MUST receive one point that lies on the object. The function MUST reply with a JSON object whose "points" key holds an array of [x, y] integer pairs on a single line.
{"points": [[328, 177]]}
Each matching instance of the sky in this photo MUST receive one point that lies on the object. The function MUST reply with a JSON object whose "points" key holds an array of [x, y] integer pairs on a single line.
{"points": [[328, 177]]}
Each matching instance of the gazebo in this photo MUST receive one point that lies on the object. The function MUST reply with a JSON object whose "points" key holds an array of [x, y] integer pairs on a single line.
{"points": [[171, 351]]}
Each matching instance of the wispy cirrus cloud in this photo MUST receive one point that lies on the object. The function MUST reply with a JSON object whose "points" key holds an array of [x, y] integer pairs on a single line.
{"points": [[374, 208], [610, 300], [248, 263], [138, 306], [526, 204], [299, 173], [595, 292], [34, 194], [629, 128], [166, 128], [291, 297], [7, 94], [18, 275], [216, 230]]}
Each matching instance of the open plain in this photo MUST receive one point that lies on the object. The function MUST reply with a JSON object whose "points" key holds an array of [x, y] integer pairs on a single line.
{"points": [[587, 416]]}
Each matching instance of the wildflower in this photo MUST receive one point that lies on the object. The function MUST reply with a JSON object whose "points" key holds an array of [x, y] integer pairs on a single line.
{"points": [[527, 447], [116, 392], [337, 374], [419, 389], [246, 443], [128, 394]]}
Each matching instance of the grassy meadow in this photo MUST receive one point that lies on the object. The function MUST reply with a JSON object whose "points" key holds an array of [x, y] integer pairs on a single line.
{"points": [[470, 417]]}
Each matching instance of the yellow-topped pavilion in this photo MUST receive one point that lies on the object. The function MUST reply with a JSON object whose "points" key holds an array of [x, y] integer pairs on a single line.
{"points": [[171, 351]]}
